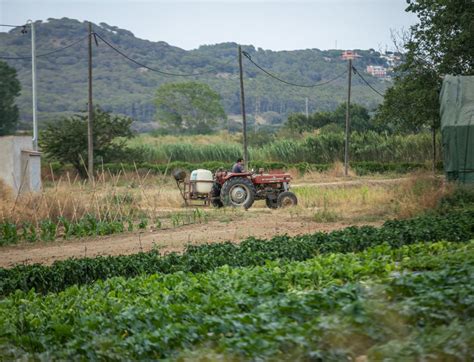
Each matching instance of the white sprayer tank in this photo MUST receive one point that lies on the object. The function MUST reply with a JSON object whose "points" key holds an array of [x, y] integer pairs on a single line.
{"points": [[203, 181]]}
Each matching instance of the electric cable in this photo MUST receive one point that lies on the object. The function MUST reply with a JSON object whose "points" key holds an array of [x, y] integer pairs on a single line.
{"points": [[366, 82], [11, 26], [154, 69], [247, 55], [48, 53]]}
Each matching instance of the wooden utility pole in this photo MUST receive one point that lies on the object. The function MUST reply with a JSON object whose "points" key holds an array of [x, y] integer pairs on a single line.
{"points": [[90, 123], [33, 84], [307, 110], [348, 119], [348, 55], [242, 106]]}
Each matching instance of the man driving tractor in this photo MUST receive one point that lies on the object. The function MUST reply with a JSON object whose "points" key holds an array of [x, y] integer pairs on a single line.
{"points": [[238, 166]]}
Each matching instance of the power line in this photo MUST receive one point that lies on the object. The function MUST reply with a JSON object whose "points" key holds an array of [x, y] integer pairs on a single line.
{"points": [[11, 26], [154, 69], [365, 81], [247, 55], [48, 53]]}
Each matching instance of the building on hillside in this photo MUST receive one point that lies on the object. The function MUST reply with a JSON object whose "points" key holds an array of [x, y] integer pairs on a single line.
{"points": [[377, 71], [392, 59]]}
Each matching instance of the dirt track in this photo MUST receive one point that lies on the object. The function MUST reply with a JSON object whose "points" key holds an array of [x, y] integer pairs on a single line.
{"points": [[257, 223], [260, 225]]}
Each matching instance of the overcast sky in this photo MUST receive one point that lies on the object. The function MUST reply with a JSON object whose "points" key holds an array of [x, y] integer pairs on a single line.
{"points": [[276, 25]]}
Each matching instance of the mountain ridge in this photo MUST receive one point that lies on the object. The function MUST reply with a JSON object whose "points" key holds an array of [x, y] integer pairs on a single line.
{"points": [[123, 87]]}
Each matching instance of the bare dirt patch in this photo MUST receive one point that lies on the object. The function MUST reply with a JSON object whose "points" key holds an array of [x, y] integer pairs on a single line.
{"points": [[257, 224]]}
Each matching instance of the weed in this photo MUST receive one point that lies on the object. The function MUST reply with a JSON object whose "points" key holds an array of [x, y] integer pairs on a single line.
{"points": [[143, 224], [158, 224]]}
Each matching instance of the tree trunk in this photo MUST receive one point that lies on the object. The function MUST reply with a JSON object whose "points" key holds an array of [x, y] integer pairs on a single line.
{"points": [[433, 131]]}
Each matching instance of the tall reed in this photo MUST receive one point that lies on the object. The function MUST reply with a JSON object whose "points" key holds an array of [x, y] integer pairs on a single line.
{"points": [[323, 148]]}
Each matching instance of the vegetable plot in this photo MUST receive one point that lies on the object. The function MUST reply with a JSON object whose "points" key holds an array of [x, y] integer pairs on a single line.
{"points": [[453, 226], [410, 302]]}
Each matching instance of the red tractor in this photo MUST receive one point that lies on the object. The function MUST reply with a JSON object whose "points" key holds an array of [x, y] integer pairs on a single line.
{"points": [[236, 189]]}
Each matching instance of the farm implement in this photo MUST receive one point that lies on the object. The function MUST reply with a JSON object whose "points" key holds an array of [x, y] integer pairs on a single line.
{"points": [[202, 188]]}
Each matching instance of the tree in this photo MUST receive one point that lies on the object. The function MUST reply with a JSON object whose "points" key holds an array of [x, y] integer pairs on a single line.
{"points": [[190, 107], [360, 119], [444, 37], [441, 43], [412, 103], [9, 90], [66, 139], [299, 123]]}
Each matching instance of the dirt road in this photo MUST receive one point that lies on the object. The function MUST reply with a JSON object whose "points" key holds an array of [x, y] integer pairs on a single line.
{"points": [[259, 225]]}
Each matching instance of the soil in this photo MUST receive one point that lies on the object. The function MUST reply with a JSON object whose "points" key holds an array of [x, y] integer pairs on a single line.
{"points": [[257, 224]]}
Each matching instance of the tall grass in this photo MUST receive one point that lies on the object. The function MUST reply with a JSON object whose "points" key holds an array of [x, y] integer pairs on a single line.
{"points": [[366, 202], [122, 196], [368, 146], [322, 148]]}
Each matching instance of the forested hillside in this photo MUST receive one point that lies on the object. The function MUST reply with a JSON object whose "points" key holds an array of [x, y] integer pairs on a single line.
{"points": [[124, 87]]}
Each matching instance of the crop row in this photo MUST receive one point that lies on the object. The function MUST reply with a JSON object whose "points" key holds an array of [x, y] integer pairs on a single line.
{"points": [[49, 230], [453, 226], [331, 307]]}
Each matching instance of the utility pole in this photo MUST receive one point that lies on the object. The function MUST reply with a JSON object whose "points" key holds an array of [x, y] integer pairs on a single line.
{"points": [[349, 55], [307, 111], [33, 84], [348, 119], [90, 123], [242, 106]]}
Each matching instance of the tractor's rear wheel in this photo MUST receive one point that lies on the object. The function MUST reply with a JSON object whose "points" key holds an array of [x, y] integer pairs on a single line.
{"points": [[238, 192], [216, 195], [287, 199]]}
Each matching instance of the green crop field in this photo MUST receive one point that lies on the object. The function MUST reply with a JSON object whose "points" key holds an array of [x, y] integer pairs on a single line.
{"points": [[403, 290]]}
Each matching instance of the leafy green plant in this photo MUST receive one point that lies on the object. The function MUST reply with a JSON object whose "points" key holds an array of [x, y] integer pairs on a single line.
{"points": [[456, 226], [143, 223], [8, 233], [130, 225], [67, 225], [176, 219], [304, 309], [29, 232], [48, 230]]}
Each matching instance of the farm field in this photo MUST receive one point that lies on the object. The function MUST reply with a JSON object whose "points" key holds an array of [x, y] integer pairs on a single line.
{"points": [[334, 278], [153, 217]]}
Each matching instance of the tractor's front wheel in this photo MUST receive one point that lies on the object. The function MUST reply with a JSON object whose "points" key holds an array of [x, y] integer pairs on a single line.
{"points": [[271, 202], [287, 199], [238, 192]]}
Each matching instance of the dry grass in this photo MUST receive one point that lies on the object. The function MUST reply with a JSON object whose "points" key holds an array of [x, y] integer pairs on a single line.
{"points": [[220, 137], [334, 174], [6, 193], [134, 196], [337, 170], [417, 193], [110, 197]]}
